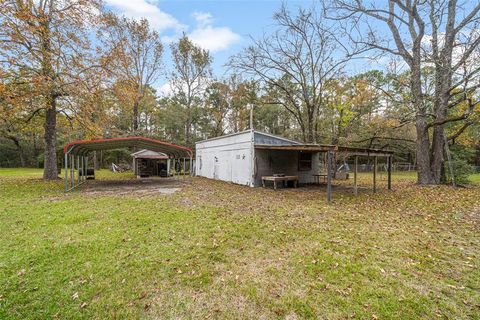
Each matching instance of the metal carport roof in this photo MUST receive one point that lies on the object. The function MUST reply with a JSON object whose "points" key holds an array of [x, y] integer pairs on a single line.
{"points": [[82, 147]]}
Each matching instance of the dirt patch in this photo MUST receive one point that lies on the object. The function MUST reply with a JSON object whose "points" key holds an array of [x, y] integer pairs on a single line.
{"points": [[137, 187]]}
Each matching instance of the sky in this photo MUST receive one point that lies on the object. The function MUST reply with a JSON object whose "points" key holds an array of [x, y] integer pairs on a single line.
{"points": [[221, 26]]}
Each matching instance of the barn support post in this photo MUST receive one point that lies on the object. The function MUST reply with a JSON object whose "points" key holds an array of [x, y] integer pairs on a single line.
{"points": [[389, 172], [355, 170], [329, 175], [375, 174], [184, 167], [168, 167]]}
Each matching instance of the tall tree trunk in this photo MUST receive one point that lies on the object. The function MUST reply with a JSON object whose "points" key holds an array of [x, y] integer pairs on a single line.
{"points": [[443, 81], [310, 131], [437, 158], [50, 164], [135, 115], [21, 154], [424, 175], [188, 126]]}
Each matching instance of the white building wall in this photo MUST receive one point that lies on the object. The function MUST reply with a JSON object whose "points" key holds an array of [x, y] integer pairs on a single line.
{"points": [[227, 158]]}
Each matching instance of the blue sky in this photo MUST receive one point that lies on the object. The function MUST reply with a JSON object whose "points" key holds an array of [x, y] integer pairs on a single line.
{"points": [[221, 26]]}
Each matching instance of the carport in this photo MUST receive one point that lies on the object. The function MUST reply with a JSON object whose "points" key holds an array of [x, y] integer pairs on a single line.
{"points": [[77, 154], [331, 152]]}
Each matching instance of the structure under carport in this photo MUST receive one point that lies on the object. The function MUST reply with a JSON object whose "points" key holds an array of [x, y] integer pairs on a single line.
{"points": [[77, 154], [252, 158], [333, 151]]}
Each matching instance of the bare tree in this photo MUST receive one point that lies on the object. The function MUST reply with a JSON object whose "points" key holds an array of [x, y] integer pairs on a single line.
{"points": [[135, 58], [45, 44], [296, 60], [434, 37]]}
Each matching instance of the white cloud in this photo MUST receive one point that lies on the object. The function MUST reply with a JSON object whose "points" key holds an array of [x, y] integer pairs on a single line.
{"points": [[148, 9], [165, 89], [203, 18], [211, 38]]}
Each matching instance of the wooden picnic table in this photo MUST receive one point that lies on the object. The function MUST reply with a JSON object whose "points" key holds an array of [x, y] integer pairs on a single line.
{"points": [[316, 177], [276, 179]]}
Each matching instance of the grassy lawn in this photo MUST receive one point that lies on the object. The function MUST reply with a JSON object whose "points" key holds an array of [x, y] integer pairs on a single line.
{"points": [[216, 250], [475, 178]]}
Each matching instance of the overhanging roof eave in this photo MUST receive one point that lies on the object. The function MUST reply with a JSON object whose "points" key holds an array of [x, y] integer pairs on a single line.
{"points": [[353, 151]]}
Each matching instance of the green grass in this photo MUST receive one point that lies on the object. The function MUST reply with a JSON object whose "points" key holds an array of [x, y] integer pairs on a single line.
{"points": [[475, 178], [224, 251]]}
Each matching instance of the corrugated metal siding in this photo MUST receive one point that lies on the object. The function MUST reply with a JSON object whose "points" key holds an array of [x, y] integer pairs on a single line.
{"points": [[226, 158], [262, 138]]}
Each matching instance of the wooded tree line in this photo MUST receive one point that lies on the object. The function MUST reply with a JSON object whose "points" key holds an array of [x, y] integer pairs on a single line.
{"points": [[71, 70]]}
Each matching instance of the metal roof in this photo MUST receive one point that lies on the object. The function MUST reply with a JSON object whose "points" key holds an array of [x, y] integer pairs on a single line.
{"points": [[353, 151], [82, 147], [149, 154]]}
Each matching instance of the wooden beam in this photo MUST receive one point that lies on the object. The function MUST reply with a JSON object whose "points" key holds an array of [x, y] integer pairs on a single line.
{"points": [[311, 148], [389, 172], [375, 174], [355, 170], [329, 175]]}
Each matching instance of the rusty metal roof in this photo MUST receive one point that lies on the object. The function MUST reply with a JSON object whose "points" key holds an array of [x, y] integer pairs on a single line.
{"points": [[353, 151], [82, 147]]}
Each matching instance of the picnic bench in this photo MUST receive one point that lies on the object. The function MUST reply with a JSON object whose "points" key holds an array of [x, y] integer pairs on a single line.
{"points": [[283, 179], [316, 177]]}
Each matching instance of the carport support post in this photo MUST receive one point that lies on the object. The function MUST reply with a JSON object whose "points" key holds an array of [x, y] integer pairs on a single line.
{"points": [[329, 176], [72, 171], [66, 171], [375, 174], [355, 169], [84, 172], [78, 169], [191, 166], [85, 165], [389, 172]]}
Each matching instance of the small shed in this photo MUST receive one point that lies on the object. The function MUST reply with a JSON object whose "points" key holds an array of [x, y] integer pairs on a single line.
{"points": [[240, 158], [147, 163]]}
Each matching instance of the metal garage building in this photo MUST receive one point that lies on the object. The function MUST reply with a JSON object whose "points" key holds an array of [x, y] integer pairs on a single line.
{"points": [[245, 157], [251, 156]]}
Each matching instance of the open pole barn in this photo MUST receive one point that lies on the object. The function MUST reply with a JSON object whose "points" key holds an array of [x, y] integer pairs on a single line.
{"points": [[77, 155], [254, 158]]}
